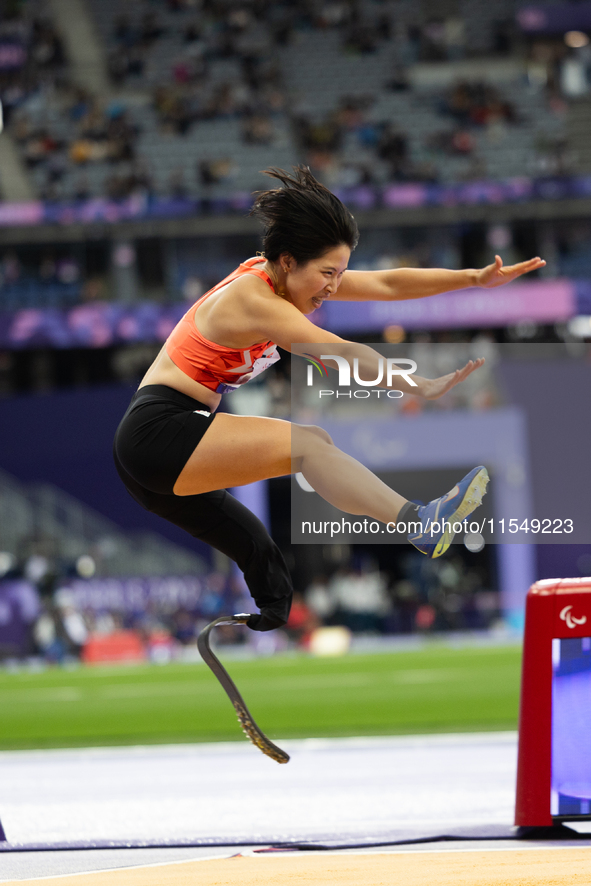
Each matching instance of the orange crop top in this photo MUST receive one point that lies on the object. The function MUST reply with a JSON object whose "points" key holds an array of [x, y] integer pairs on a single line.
{"points": [[219, 368]]}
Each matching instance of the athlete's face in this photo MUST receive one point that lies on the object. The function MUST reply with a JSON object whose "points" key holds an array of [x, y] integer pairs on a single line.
{"points": [[307, 286]]}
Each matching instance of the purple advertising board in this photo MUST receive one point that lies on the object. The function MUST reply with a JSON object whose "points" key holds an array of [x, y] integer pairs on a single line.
{"points": [[102, 324], [555, 18], [143, 594], [539, 302], [19, 607], [392, 196], [96, 325], [12, 55]]}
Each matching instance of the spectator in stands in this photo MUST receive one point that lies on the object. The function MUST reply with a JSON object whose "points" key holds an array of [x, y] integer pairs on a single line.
{"points": [[339, 174], [301, 622], [392, 147], [47, 268], [361, 34], [74, 629], [150, 28], [48, 634], [399, 81], [67, 270], [212, 172], [135, 181], [425, 617], [504, 36], [462, 142], [362, 603], [11, 267], [257, 129], [320, 598], [477, 103], [452, 141], [352, 112], [125, 62], [405, 604], [331, 15], [281, 24], [192, 32], [476, 170], [321, 139], [189, 68], [38, 56], [81, 188], [80, 104], [46, 46], [56, 166], [21, 127], [177, 187], [123, 31], [93, 125], [183, 627], [120, 135], [39, 146], [433, 42], [173, 109]]}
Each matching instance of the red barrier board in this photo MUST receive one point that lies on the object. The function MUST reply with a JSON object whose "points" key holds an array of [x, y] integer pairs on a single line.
{"points": [[554, 760], [118, 646]]}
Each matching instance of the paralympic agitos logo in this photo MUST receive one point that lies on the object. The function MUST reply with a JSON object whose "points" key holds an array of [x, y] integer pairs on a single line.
{"points": [[387, 370]]}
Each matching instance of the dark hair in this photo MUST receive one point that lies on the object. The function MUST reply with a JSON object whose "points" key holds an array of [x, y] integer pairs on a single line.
{"points": [[303, 217]]}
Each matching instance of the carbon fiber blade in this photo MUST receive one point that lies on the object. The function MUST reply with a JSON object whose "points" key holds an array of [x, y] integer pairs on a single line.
{"points": [[245, 718]]}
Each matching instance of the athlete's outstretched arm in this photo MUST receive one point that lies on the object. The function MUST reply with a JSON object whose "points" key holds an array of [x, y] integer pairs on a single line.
{"points": [[282, 323], [404, 283]]}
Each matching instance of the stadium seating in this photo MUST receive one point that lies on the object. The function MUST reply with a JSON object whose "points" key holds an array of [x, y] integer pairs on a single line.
{"points": [[188, 96]]}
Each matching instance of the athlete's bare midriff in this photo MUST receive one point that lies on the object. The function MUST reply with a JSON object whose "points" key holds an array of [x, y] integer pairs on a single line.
{"points": [[164, 372], [222, 319]]}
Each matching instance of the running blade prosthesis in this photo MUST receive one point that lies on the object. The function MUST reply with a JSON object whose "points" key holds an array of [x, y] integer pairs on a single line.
{"points": [[249, 727]]}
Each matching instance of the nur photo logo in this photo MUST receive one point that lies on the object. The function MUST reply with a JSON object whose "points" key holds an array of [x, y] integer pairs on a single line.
{"points": [[315, 363], [387, 370]]}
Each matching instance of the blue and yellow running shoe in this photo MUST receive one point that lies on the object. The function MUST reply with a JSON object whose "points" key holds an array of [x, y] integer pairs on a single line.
{"points": [[439, 516]]}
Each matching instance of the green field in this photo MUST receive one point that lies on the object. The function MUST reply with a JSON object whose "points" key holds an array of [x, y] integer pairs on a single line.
{"points": [[436, 689]]}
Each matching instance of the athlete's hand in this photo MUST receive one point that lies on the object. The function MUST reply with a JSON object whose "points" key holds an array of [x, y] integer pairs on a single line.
{"points": [[432, 388], [496, 275]]}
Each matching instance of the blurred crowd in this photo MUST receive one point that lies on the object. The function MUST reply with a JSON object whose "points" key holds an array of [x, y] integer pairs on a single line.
{"points": [[469, 107], [249, 37], [32, 56], [56, 618], [55, 612], [97, 133], [425, 596], [64, 274], [52, 278]]}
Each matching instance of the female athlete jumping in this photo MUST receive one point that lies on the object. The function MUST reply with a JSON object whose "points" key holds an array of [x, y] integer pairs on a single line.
{"points": [[176, 455]]}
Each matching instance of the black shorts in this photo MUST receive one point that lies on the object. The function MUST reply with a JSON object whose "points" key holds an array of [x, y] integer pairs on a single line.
{"points": [[152, 445], [158, 434]]}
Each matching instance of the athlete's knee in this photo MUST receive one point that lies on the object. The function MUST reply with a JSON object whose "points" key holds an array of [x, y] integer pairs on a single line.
{"points": [[321, 433], [312, 435]]}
